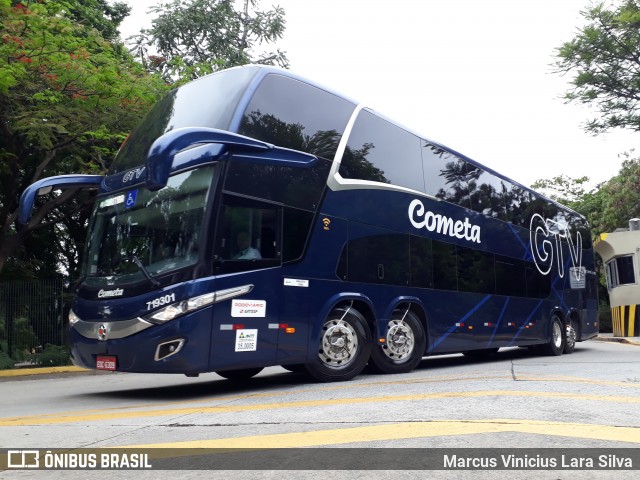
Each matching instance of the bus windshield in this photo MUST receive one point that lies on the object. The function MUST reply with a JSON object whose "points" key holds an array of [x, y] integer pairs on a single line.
{"points": [[138, 234], [207, 102]]}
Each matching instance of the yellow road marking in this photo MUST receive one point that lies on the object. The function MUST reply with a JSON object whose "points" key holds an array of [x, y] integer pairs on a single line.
{"points": [[89, 416], [407, 430]]}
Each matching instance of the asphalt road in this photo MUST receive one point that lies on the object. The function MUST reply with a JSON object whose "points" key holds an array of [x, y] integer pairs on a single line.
{"points": [[589, 399]]}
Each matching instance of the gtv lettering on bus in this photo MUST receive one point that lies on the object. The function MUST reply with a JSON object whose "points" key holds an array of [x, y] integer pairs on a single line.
{"points": [[447, 226], [546, 237]]}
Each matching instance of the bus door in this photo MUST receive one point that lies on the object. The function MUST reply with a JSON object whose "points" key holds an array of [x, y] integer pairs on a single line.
{"points": [[247, 252]]}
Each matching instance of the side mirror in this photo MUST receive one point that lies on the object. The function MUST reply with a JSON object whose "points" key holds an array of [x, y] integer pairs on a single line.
{"points": [[161, 153], [47, 185]]}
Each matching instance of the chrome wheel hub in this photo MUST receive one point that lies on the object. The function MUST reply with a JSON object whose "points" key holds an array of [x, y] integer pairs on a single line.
{"points": [[339, 343], [400, 341]]}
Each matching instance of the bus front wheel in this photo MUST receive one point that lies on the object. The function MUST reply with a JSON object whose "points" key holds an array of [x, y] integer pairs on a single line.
{"points": [[556, 344], [344, 348], [403, 346]]}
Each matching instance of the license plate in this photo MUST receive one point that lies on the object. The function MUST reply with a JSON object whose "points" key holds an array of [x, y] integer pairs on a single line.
{"points": [[105, 363]]}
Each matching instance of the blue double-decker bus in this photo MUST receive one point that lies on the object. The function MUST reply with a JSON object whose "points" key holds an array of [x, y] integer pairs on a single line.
{"points": [[255, 219]]}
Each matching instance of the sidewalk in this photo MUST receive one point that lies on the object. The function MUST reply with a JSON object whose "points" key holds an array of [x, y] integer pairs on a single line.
{"points": [[608, 337]]}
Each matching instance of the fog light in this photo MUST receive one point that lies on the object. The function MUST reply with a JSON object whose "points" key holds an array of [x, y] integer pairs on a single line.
{"points": [[167, 349]]}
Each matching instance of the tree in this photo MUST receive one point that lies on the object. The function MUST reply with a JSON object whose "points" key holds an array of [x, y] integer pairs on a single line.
{"points": [[609, 205], [604, 59], [68, 97], [618, 200], [563, 189], [192, 38]]}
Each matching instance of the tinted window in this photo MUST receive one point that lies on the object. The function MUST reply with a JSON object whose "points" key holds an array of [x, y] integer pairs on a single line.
{"points": [[421, 262], [487, 194], [475, 271], [298, 187], [380, 151], [444, 266], [248, 235], [517, 201], [296, 226], [379, 259], [446, 175], [510, 276], [207, 102], [538, 285], [296, 115]]}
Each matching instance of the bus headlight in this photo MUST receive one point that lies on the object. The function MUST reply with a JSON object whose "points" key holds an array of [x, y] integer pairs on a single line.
{"points": [[73, 318], [178, 309]]}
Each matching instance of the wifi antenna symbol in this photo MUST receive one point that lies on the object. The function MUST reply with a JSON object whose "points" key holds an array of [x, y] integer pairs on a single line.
{"points": [[326, 223]]}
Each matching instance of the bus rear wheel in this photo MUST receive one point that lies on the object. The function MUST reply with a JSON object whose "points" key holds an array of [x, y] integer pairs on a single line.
{"points": [[555, 347], [571, 336], [344, 348], [403, 347], [242, 374]]}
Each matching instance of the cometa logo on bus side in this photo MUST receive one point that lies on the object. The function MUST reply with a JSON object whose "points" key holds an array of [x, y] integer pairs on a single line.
{"points": [[422, 218]]}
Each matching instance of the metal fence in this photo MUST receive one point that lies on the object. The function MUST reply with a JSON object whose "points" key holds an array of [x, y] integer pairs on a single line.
{"points": [[33, 329]]}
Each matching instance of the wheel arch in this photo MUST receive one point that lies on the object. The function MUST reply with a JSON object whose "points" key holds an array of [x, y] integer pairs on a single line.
{"points": [[358, 301], [574, 314]]}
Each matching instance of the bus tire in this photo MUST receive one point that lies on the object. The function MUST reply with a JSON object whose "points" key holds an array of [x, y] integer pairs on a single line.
{"points": [[571, 336], [556, 344], [344, 347], [404, 345], [242, 374]]}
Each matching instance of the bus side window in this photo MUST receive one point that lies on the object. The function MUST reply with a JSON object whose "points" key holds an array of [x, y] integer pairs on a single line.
{"points": [[248, 231]]}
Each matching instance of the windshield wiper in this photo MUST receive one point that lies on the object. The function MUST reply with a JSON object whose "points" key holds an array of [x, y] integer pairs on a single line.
{"points": [[143, 269]]}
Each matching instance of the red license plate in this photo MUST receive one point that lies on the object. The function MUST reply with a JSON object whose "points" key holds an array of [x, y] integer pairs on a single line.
{"points": [[105, 363]]}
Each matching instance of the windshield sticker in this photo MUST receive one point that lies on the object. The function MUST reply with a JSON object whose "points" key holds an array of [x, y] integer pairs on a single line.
{"points": [[420, 218], [247, 340], [110, 202], [131, 199], [248, 308]]}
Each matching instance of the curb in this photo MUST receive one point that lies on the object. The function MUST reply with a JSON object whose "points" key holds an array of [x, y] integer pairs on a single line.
{"points": [[625, 340], [19, 372]]}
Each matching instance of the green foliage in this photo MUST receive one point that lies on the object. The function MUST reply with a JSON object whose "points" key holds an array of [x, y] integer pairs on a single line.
{"points": [[608, 206], [189, 39], [25, 339], [603, 60], [68, 97], [618, 200], [563, 189], [53, 356], [99, 14], [6, 362]]}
